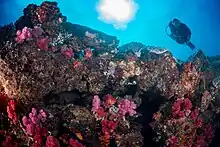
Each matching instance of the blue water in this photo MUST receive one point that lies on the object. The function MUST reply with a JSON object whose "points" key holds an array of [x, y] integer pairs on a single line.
{"points": [[202, 17]]}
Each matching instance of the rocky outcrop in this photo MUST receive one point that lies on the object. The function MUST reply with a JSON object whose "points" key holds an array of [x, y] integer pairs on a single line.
{"points": [[29, 74]]}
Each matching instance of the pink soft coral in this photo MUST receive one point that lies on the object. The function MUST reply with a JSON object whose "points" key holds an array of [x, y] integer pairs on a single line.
{"points": [[24, 34], [126, 106], [28, 33], [30, 129], [96, 108], [96, 102], [33, 122], [187, 104], [181, 107]]}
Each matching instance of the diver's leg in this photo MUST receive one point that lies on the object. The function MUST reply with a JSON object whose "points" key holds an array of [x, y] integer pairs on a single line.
{"points": [[192, 46], [180, 40]]}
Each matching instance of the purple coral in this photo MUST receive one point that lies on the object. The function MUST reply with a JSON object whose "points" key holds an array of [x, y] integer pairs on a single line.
{"points": [[126, 106], [37, 31]]}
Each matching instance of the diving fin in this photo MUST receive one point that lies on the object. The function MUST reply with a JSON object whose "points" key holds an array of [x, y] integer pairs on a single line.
{"points": [[192, 46]]}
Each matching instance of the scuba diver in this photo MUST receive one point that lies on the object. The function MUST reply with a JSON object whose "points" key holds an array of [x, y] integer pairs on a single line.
{"points": [[180, 33]]}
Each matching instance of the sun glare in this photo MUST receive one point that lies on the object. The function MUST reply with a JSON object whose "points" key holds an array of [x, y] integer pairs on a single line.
{"points": [[117, 12]]}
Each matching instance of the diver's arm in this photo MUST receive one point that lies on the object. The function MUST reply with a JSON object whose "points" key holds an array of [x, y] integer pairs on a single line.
{"points": [[172, 28]]}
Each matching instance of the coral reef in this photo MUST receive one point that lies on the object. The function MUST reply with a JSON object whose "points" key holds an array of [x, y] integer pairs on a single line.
{"points": [[81, 89]]}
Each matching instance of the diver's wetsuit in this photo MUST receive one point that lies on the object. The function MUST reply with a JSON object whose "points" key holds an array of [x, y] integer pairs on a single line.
{"points": [[180, 34]]}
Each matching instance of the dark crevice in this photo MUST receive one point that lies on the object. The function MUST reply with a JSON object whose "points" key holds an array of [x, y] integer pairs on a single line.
{"points": [[151, 101], [69, 97]]}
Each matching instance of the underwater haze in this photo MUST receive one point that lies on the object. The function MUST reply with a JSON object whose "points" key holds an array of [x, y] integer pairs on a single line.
{"points": [[107, 73], [146, 25]]}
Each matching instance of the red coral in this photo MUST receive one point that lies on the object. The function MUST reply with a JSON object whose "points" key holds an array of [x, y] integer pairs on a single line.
{"points": [[186, 124], [12, 104], [181, 107], [108, 126], [110, 115], [176, 108], [88, 53], [74, 143], [38, 140], [200, 142], [173, 141], [43, 43], [76, 64], [100, 113], [195, 113], [11, 111], [68, 53], [198, 122], [9, 142], [209, 132], [156, 116], [109, 100], [187, 104], [42, 131], [52, 142]]}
